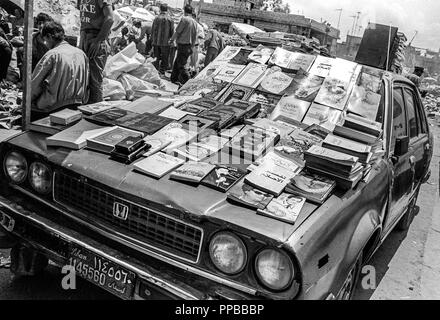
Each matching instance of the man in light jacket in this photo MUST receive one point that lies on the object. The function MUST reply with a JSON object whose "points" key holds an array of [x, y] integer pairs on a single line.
{"points": [[61, 77]]}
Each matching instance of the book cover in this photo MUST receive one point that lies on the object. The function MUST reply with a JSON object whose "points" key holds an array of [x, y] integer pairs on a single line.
{"points": [[146, 123], [371, 79], [227, 54], [213, 142], [331, 156], [251, 75], [224, 119], [304, 86], [231, 132], [363, 124], [344, 70], [322, 66], [229, 72], [285, 208], [75, 137], [275, 81], [195, 123], [323, 116], [266, 100], [355, 135], [249, 109], [342, 182], [236, 92], [192, 171], [222, 178], [158, 165], [205, 103], [98, 107], [304, 140], [202, 87], [311, 186], [261, 54], [334, 93], [360, 150], [301, 61], [65, 116], [173, 113], [278, 157], [291, 108], [251, 142], [364, 103], [156, 145], [281, 57], [193, 152], [241, 58], [129, 145], [44, 125], [176, 134], [289, 149], [147, 104], [249, 196], [110, 116], [318, 131], [107, 141], [283, 130]]}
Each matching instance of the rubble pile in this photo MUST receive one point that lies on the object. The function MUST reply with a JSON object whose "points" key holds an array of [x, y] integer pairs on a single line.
{"points": [[10, 107], [63, 11]]}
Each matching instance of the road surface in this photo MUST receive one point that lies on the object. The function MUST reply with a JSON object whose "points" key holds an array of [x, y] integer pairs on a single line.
{"points": [[407, 265]]}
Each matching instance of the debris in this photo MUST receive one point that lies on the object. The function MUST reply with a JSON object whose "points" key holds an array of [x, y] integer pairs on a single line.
{"points": [[5, 262]]}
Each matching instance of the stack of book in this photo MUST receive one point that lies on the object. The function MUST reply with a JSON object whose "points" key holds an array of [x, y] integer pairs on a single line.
{"points": [[129, 149], [357, 149], [56, 122], [65, 117], [345, 169], [107, 141]]}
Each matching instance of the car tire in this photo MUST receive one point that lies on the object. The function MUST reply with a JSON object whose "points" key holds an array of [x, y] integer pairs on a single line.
{"points": [[348, 288], [408, 217]]}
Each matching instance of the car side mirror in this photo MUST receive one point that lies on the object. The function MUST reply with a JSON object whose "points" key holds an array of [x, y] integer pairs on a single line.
{"points": [[402, 146]]}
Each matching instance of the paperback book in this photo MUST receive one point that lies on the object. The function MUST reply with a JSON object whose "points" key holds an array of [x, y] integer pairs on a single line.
{"points": [[176, 134], [65, 116], [224, 119], [362, 124], [283, 130], [301, 61], [321, 66], [157, 165], [231, 132], [173, 113], [334, 93], [146, 123], [313, 187], [241, 58], [229, 72], [192, 172], [109, 117], [261, 54], [276, 82], [222, 178], [195, 123], [355, 135], [236, 92], [107, 141], [251, 75], [362, 151], [305, 86], [364, 103], [285, 208], [248, 109], [323, 116], [156, 145], [248, 196], [147, 104], [44, 125], [289, 107], [98, 107], [281, 57]]}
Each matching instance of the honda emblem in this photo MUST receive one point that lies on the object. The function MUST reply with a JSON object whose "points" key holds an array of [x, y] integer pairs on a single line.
{"points": [[120, 211]]}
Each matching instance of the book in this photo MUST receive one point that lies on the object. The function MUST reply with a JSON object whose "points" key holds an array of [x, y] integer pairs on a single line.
{"points": [[285, 208], [355, 135], [261, 54], [231, 132], [173, 113], [272, 175], [312, 187], [301, 61], [110, 116], [229, 72], [322, 66], [241, 58], [146, 104], [128, 158], [362, 124], [290, 160], [305, 86], [222, 178], [191, 171], [227, 54], [341, 161], [364, 103], [371, 79], [282, 130], [291, 108], [360, 150], [65, 116], [248, 109], [107, 141], [251, 142], [345, 70], [98, 107], [334, 93], [195, 123], [158, 165], [202, 103], [193, 152], [129, 144], [266, 100], [213, 142], [304, 140], [248, 196], [176, 134], [192, 109], [236, 92], [156, 145], [281, 57], [318, 131], [44, 125], [224, 119], [342, 182], [275, 81], [323, 116], [75, 137], [251, 75], [147, 123]]}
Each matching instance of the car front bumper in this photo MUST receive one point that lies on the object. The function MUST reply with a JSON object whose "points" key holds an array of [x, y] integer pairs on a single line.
{"points": [[153, 280]]}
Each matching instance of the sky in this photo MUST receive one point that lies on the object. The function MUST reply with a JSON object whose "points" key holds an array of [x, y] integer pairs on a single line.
{"points": [[407, 15]]}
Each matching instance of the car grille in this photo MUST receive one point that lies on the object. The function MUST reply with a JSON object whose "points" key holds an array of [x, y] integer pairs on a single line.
{"points": [[154, 229]]}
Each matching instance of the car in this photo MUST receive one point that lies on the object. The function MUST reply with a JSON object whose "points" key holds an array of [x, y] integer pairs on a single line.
{"points": [[144, 238]]}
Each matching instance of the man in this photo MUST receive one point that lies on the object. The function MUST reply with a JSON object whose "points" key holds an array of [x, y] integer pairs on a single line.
{"points": [[61, 77], [197, 47], [185, 37], [214, 44], [38, 46], [115, 34], [161, 33], [415, 77], [96, 22], [5, 56]]}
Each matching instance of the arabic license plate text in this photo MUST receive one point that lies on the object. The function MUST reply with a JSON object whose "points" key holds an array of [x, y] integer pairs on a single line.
{"points": [[102, 272]]}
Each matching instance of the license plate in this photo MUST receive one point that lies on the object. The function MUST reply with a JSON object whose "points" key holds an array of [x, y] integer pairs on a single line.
{"points": [[102, 272]]}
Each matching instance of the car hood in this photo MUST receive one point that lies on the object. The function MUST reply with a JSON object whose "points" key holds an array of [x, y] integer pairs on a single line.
{"points": [[198, 201]]}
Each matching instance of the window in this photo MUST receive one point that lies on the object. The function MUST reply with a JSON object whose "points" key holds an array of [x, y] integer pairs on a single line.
{"points": [[399, 117], [411, 109]]}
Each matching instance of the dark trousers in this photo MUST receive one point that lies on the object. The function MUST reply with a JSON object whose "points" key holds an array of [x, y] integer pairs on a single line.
{"points": [[180, 74], [96, 65], [211, 54], [5, 60], [162, 54]]}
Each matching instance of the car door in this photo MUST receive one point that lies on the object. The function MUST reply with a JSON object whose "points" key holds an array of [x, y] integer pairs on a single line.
{"points": [[403, 167]]}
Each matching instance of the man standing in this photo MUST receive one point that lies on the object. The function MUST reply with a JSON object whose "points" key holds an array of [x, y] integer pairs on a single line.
{"points": [[186, 37], [415, 77], [5, 56], [96, 22], [61, 77], [198, 46], [161, 33], [38, 46], [214, 44]]}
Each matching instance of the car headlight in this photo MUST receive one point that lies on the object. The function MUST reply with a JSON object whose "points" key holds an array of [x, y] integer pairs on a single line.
{"points": [[228, 252], [16, 167], [274, 269], [40, 177]]}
